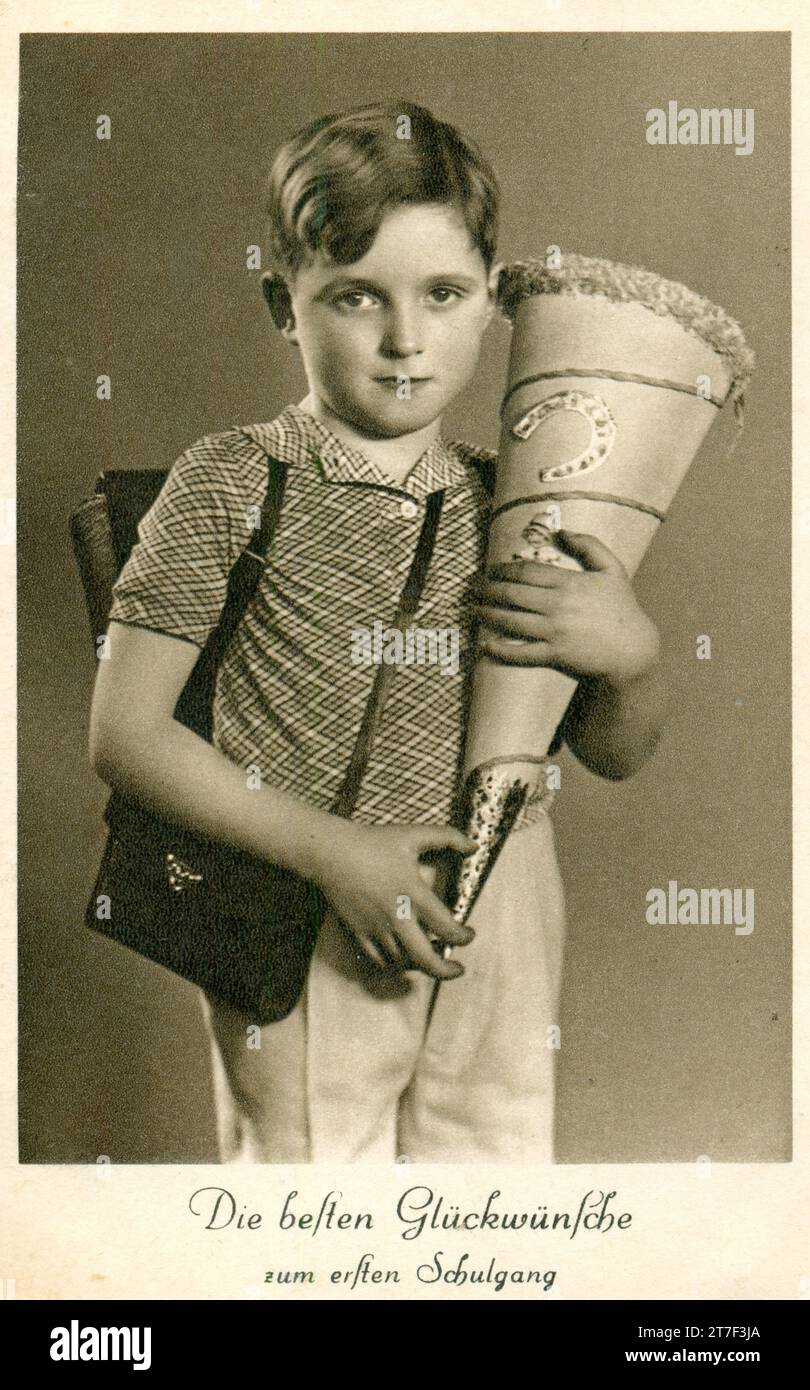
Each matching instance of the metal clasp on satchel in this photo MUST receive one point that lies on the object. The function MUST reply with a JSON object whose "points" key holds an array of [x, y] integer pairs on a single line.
{"points": [[180, 874]]}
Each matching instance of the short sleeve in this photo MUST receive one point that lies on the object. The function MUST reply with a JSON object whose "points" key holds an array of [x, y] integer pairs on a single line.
{"points": [[483, 460], [175, 579], [558, 740]]}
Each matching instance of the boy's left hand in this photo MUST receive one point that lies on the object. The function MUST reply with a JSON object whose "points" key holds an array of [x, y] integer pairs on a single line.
{"points": [[581, 622]]}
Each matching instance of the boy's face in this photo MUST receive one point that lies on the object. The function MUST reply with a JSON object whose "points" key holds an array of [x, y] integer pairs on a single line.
{"points": [[414, 307]]}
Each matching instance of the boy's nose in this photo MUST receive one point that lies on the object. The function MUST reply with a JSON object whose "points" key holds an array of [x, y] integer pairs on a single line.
{"points": [[403, 334]]}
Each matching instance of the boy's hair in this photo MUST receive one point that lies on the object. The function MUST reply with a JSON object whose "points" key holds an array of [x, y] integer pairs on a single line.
{"points": [[332, 183]]}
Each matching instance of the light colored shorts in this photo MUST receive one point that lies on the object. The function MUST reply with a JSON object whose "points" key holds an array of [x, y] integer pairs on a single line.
{"points": [[373, 1066]]}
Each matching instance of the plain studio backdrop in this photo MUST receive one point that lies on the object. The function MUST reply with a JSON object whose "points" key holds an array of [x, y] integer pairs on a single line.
{"points": [[132, 259]]}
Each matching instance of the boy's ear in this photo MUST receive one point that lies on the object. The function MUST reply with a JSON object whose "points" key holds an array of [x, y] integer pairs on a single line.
{"points": [[277, 297], [493, 284]]}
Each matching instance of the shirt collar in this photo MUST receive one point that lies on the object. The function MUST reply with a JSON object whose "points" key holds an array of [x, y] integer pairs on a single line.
{"points": [[297, 438]]}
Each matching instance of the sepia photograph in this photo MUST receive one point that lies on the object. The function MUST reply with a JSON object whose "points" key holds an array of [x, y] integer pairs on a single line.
{"points": [[404, 598]]}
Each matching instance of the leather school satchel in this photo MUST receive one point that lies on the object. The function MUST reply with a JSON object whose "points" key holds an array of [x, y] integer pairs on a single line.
{"points": [[238, 926]]}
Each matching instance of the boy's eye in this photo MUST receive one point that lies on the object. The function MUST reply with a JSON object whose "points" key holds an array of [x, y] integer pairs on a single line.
{"points": [[351, 295], [446, 289]]}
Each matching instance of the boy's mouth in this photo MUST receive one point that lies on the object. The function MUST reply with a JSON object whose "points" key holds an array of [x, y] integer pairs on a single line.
{"points": [[403, 376]]}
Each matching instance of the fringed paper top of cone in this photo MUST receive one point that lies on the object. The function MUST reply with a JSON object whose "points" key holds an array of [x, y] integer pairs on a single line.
{"points": [[591, 275]]}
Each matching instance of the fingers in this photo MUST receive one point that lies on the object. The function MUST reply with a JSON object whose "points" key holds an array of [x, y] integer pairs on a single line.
{"points": [[398, 957], [517, 623], [393, 950], [500, 649], [422, 955], [437, 918], [428, 873], [444, 837], [529, 598], [529, 572], [405, 945], [592, 553], [384, 950], [373, 952]]}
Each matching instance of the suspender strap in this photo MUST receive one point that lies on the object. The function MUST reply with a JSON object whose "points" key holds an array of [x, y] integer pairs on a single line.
{"points": [[408, 603], [276, 483], [246, 573], [195, 705]]}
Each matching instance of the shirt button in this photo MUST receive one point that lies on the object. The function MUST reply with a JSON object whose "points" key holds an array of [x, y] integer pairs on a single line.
{"points": [[408, 509]]}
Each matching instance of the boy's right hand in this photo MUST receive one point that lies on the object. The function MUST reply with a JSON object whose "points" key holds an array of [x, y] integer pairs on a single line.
{"points": [[368, 873]]}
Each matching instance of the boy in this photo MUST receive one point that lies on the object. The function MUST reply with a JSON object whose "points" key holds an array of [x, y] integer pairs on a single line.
{"points": [[385, 281]]}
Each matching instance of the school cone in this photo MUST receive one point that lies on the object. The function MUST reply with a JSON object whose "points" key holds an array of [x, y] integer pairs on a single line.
{"points": [[644, 363]]}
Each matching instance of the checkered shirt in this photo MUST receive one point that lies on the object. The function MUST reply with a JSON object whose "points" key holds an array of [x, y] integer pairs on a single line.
{"points": [[289, 698]]}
